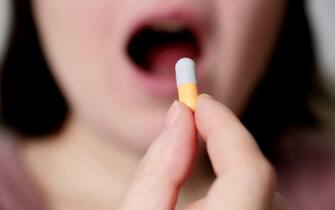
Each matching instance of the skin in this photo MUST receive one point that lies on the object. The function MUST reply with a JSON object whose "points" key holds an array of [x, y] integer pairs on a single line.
{"points": [[237, 185], [82, 167]]}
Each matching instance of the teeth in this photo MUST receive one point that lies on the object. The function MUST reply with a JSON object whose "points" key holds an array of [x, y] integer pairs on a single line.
{"points": [[168, 26]]}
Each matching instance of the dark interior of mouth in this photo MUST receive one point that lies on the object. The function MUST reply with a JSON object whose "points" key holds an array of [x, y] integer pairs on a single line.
{"points": [[157, 51]]}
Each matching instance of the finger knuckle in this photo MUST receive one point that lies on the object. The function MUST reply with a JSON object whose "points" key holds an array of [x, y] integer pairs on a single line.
{"points": [[265, 173], [144, 170], [152, 174]]}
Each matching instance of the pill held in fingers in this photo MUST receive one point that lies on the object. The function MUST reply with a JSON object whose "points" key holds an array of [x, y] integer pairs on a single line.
{"points": [[186, 78]]}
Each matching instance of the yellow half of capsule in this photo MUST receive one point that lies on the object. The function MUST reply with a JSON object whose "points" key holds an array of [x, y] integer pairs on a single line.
{"points": [[188, 94]]}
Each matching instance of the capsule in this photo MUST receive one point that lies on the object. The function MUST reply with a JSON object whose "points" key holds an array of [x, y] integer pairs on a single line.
{"points": [[186, 79]]}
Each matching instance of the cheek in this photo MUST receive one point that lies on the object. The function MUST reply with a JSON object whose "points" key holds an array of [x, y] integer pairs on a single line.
{"points": [[246, 33], [83, 46], [75, 35], [80, 46], [74, 39]]}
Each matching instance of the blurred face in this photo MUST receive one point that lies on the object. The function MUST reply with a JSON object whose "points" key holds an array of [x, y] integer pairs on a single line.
{"points": [[114, 59]]}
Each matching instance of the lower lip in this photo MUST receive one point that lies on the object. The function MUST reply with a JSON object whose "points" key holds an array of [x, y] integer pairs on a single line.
{"points": [[159, 86]]}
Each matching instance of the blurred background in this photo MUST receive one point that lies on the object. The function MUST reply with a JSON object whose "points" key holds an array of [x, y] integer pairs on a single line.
{"points": [[4, 24], [322, 20]]}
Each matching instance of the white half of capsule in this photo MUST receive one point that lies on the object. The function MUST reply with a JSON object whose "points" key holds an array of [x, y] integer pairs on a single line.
{"points": [[186, 71]]}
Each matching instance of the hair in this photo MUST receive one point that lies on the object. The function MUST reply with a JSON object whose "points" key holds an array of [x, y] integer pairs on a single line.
{"points": [[32, 104]]}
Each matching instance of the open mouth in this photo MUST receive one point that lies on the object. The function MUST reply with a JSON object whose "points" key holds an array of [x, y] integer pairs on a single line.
{"points": [[155, 48]]}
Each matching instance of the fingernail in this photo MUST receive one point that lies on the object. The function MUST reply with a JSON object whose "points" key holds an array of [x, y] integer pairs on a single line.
{"points": [[207, 96], [172, 114]]}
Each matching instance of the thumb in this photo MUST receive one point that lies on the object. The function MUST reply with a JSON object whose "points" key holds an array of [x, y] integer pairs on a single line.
{"points": [[165, 166]]}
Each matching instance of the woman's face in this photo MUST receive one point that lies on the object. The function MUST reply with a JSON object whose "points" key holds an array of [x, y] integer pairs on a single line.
{"points": [[114, 59]]}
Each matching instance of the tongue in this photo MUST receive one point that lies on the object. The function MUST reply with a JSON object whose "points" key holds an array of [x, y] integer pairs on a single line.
{"points": [[162, 59]]}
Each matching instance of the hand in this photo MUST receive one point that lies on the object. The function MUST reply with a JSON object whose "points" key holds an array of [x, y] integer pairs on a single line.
{"points": [[245, 179]]}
